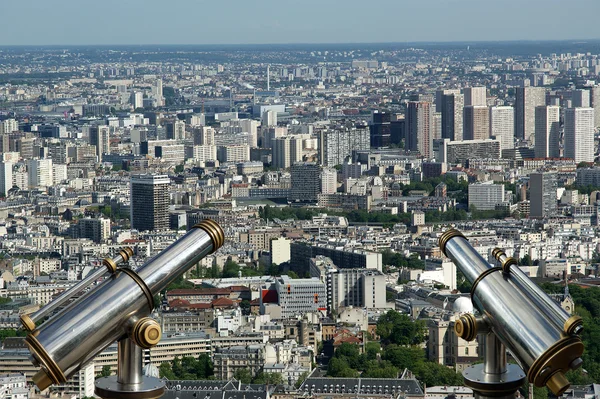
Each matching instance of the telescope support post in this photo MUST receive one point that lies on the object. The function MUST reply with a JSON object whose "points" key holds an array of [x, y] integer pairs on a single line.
{"points": [[129, 383], [494, 379]]}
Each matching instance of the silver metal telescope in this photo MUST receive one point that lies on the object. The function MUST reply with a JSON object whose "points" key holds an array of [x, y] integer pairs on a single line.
{"points": [[110, 266], [117, 310], [541, 338]]}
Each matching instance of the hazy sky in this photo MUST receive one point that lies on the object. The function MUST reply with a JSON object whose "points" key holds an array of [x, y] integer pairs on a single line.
{"points": [[288, 21]]}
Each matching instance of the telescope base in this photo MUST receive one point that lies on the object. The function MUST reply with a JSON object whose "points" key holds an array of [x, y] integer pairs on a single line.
{"points": [[110, 388], [497, 386]]}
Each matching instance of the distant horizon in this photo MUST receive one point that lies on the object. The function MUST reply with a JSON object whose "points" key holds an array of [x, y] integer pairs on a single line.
{"points": [[572, 41], [193, 22]]}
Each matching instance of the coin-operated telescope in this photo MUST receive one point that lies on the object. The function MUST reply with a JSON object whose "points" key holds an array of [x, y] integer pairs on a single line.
{"points": [[516, 315], [117, 309]]}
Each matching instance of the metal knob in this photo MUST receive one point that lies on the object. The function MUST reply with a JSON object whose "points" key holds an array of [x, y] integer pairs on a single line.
{"points": [[146, 333], [466, 327]]}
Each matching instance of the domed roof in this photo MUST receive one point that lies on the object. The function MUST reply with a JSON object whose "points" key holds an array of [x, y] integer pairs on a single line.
{"points": [[151, 370], [462, 305]]}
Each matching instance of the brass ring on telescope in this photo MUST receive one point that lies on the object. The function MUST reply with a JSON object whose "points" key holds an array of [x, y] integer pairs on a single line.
{"points": [[497, 252], [466, 327], [28, 324], [129, 253], [51, 369], [110, 265], [572, 324], [444, 238], [146, 333], [215, 232], [557, 358], [481, 277], [142, 285], [507, 263]]}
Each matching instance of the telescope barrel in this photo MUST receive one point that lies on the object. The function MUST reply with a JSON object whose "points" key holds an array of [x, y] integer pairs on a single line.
{"points": [[30, 320], [66, 342], [541, 348], [558, 316]]}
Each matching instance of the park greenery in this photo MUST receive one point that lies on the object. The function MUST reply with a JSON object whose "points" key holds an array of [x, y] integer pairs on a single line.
{"points": [[390, 258], [188, 368], [361, 216], [398, 349]]}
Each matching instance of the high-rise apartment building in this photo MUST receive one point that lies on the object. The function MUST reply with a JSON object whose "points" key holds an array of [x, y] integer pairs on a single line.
{"points": [[527, 98], [150, 202], [336, 144], [6, 177], [542, 197], [579, 134], [362, 288], [547, 131], [476, 123], [595, 103], [380, 129], [203, 135], [99, 137], [175, 130], [305, 182], [418, 127], [580, 99], [97, 230], [486, 196], [286, 151], [502, 126], [137, 99], [233, 153], [9, 126], [475, 96], [452, 116], [439, 94], [40, 173], [328, 181]]}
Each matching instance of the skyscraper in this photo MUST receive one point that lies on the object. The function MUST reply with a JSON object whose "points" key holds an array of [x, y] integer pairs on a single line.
{"points": [[452, 116], [380, 129], [580, 99], [547, 131], [306, 182], [542, 188], [40, 173], [203, 135], [286, 151], [328, 181], [418, 127], [439, 94], [476, 96], [150, 202], [6, 177], [99, 136], [476, 123], [502, 126], [175, 130], [527, 98], [579, 134], [595, 103]]}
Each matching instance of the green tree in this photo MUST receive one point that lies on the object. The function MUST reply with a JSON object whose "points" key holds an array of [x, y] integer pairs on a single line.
{"points": [[268, 378], [166, 371], [230, 269], [243, 375], [301, 379], [105, 372], [400, 329]]}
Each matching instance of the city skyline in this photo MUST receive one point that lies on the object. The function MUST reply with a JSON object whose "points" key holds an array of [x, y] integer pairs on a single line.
{"points": [[267, 23]]}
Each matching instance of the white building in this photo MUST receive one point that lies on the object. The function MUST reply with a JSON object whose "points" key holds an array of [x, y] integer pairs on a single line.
{"points": [[203, 153], [280, 250], [502, 126], [6, 177], [476, 96], [527, 98], [363, 288], [286, 151], [485, 196], [328, 181], [40, 173], [547, 131], [579, 134], [233, 153]]}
